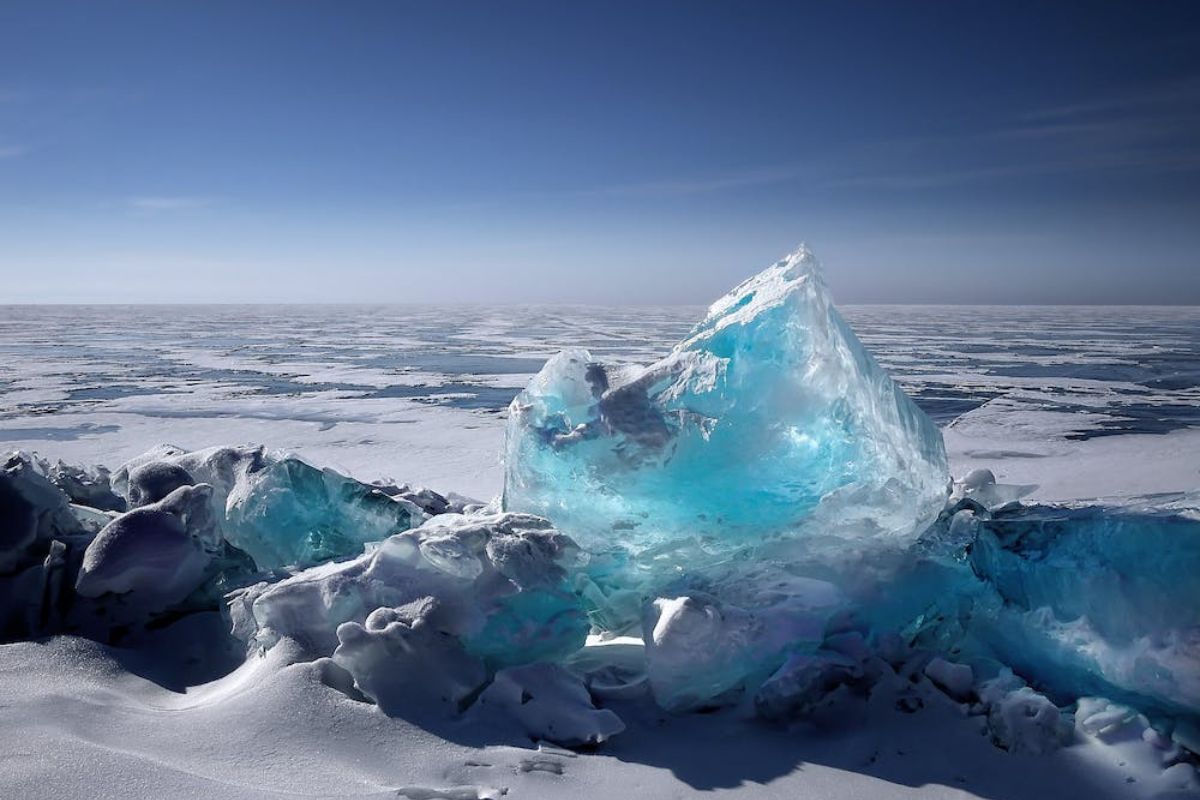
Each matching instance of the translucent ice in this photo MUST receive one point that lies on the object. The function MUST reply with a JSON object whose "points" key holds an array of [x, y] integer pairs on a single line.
{"points": [[770, 418], [1080, 600], [293, 513], [280, 510], [1096, 600]]}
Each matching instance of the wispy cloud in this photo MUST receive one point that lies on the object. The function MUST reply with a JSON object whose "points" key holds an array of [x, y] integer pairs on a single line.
{"points": [[12, 151], [1164, 160], [1168, 97], [181, 202], [1153, 130], [736, 179]]}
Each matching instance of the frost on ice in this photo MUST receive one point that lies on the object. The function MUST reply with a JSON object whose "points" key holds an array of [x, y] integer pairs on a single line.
{"points": [[770, 418], [497, 584], [279, 510]]}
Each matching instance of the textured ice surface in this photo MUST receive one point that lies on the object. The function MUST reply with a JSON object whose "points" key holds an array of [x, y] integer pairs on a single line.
{"points": [[1081, 600], [279, 509], [1096, 600], [769, 418], [496, 583], [408, 660], [1019, 718], [700, 651]]}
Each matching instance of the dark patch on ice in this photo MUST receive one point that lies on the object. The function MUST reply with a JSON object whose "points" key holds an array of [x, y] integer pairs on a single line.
{"points": [[1000, 454], [456, 395], [57, 434], [1122, 419], [114, 391], [456, 363]]}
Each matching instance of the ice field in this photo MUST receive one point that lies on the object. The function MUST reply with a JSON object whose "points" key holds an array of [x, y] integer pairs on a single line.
{"points": [[531, 552], [1060, 396]]}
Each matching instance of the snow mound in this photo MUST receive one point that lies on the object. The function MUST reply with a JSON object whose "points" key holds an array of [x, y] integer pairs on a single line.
{"points": [[495, 582], [157, 551]]}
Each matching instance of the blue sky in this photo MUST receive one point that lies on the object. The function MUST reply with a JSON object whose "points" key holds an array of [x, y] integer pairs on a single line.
{"points": [[609, 152]]}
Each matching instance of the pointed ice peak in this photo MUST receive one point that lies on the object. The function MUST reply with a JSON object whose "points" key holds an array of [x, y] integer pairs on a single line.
{"points": [[799, 263], [796, 275], [770, 419]]}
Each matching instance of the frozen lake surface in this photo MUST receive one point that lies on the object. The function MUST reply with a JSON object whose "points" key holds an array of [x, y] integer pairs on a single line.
{"points": [[1083, 402], [1060, 396]]}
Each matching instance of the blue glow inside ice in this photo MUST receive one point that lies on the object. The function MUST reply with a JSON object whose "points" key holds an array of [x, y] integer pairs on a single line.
{"points": [[769, 418], [1082, 601], [292, 513], [1097, 600]]}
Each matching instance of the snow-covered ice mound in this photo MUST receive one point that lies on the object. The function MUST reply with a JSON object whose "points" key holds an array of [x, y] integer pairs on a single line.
{"points": [[496, 583], [769, 418], [280, 510]]}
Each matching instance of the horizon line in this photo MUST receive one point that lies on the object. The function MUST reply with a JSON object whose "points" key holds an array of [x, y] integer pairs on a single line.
{"points": [[548, 303]]}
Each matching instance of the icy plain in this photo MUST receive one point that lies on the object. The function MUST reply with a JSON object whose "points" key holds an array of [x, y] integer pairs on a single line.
{"points": [[1083, 401], [323, 704]]}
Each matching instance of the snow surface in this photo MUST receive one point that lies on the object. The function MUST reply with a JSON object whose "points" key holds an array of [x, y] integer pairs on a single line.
{"points": [[81, 720]]}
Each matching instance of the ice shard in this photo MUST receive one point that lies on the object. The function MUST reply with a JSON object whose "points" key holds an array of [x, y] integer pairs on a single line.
{"points": [[279, 509], [769, 418], [1078, 599], [1095, 600]]}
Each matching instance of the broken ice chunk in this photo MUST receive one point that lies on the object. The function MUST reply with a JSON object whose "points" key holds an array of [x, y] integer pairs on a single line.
{"points": [[278, 509], [290, 512], [151, 482], [89, 487], [701, 652], [956, 680], [32, 509], [509, 611], [1020, 719], [769, 418], [1096, 600]]}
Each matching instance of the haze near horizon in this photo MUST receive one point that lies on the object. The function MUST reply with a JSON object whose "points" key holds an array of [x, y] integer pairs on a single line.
{"points": [[597, 153]]}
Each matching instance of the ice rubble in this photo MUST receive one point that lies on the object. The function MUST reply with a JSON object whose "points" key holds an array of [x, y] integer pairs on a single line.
{"points": [[278, 509], [496, 583], [763, 509], [1085, 599], [770, 418]]}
